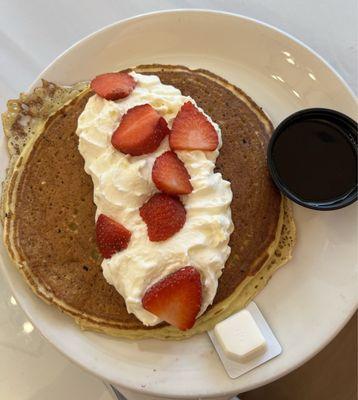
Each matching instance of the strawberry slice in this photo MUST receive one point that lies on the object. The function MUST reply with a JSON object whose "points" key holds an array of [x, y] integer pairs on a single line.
{"points": [[192, 131], [176, 299], [113, 85], [164, 215], [140, 131], [111, 236], [170, 175]]}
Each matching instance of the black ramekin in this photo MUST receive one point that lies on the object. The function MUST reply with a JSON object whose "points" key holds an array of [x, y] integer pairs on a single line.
{"points": [[346, 125]]}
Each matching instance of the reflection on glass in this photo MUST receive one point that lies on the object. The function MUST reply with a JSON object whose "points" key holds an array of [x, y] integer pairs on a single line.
{"points": [[296, 93], [290, 60], [286, 53], [13, 301], [311, 76], [27, 327]]}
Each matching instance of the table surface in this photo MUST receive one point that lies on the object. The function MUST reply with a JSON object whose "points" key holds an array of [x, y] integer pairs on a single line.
{"points": [[32, 34]]}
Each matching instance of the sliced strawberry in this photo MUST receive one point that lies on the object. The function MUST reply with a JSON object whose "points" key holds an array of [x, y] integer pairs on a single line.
{"points": [[192, 131], [164, 215], [170, 175], [176, 298], [113, 85], [111, 236], [140, 131]]}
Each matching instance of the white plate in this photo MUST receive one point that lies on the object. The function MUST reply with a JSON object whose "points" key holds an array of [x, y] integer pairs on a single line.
{"points": [[308, 301]]}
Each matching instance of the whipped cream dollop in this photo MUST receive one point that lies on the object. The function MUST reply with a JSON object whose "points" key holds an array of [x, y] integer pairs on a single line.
{"points": [[123, 183]]}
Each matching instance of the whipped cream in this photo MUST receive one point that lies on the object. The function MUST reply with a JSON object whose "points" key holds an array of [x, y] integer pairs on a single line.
{"points": [[123, 183]]}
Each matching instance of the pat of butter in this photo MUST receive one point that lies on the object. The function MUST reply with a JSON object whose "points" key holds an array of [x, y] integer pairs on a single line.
{"points": [[239, 337], [235, 368]]}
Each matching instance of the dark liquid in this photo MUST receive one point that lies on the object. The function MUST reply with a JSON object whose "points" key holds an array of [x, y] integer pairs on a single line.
{"points": [[316, 160]]}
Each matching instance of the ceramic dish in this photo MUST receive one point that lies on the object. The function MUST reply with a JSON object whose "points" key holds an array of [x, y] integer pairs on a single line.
{"points": [[312, 297]]}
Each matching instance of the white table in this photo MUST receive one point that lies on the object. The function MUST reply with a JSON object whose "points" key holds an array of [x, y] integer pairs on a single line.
{"points": [[33, 33]]}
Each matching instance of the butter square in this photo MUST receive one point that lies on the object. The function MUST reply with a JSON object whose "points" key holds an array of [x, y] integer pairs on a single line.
{"points": [[239, 337]]}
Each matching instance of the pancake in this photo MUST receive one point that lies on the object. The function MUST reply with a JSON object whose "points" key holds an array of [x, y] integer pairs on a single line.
{"points": [[49, 215]]}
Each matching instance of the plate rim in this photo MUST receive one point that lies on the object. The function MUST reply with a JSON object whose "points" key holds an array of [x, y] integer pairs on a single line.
{"points": [[137, 17], [194, 11]]}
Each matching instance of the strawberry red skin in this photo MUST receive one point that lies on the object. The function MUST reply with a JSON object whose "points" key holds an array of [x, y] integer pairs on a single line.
{"points": [[176, 298], [111, 236], [113, 85], [140, 131], [164, 216], [170, 175], [191, 130]]}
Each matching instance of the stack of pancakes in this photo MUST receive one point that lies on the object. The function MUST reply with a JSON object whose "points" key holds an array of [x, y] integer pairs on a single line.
{"points": [[49, 216]]}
